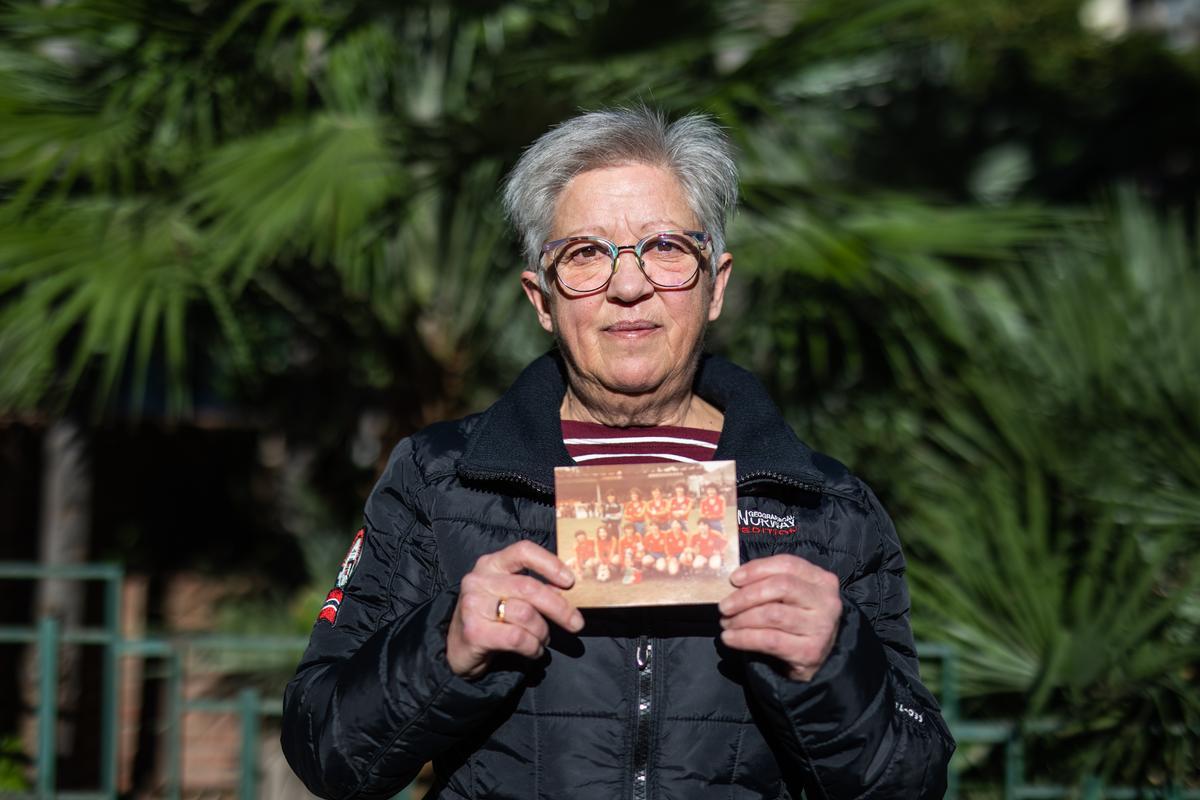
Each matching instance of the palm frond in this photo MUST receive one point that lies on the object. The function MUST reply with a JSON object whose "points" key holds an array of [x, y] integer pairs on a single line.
{"points": [[95, 284], [308, 189]]}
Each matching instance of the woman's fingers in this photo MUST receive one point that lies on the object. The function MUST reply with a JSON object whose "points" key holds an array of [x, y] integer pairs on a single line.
{"points": [[779, 616], [782, 564], [546, 600], [802, 655], [478, 629], [525, 555], [523, 631], [786, 607], [786, 579], [518, 613]]}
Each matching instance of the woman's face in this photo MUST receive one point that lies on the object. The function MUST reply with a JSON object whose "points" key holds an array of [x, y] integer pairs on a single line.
{"points": [[629, 338]]}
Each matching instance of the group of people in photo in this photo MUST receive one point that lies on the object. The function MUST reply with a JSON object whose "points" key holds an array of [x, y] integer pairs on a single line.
{"points": [[653, 536]]}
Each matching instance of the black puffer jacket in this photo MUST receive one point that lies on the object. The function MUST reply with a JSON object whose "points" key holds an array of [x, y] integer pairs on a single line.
{"points": [[643, 703]]}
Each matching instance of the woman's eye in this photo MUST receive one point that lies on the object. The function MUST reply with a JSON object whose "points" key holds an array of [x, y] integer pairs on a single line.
{"points": [[585, 253], [668, 249]]}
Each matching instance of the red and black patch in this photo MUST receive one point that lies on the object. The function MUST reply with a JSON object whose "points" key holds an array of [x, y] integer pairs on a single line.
{"points": [[329, 611], [333, 600]]}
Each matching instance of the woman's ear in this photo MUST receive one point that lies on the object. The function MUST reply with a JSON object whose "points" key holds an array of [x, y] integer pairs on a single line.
{"points": [[724, 267], [539, 299]]}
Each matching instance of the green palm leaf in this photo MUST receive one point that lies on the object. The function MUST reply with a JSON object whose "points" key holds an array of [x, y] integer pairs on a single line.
{"points": [[96, 282], [308, 189]]}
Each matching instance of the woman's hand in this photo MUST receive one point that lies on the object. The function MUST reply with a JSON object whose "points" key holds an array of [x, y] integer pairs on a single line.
{"points": [[481, 626], [785, 607]]}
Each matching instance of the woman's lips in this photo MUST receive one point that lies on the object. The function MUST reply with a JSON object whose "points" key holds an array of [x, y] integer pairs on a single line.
{"points": [[632, 329]]}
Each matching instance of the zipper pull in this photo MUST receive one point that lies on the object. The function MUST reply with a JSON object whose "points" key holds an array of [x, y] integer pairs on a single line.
{"points": [[643, 653]]}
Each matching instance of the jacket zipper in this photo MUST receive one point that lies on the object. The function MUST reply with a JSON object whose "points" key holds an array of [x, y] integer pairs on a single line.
{"points": [[644, 656], [776, 477], [516, 477]]}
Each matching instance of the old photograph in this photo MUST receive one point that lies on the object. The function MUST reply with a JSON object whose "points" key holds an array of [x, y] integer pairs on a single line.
{"points": [[648, 534]]}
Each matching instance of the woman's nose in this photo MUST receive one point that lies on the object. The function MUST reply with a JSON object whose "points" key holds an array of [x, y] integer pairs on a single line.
{"points": [[628, 283]]}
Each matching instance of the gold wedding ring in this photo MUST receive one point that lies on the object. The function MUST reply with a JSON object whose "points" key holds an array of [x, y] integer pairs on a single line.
{"points": [[500, 606]]}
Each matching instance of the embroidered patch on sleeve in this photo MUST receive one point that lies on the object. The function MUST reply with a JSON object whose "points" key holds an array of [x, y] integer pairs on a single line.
{"points": [[351, 559], [329, 611], [333, 600]]}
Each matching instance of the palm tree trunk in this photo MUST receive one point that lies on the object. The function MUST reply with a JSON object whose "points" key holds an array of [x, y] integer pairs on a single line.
{"points": [[64, 531]]}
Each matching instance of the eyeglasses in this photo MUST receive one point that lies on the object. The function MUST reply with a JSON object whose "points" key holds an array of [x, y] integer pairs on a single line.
{"points": [[668, 259]]}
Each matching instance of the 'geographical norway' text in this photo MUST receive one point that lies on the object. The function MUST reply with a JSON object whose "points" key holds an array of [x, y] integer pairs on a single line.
{"points": [[763, 522]]}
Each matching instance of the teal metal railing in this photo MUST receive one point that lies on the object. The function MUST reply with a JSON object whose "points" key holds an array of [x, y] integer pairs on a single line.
{"points": [[251, 707], [48, 637]]}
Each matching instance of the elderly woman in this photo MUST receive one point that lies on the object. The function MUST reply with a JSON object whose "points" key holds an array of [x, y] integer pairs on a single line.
{"points": [[450, 639]]}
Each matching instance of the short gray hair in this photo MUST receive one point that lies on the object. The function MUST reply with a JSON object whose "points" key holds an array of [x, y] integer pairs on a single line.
{"points": [[693, 148]]}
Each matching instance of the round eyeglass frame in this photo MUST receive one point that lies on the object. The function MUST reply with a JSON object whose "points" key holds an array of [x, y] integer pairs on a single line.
{"points": [[702, 238]]}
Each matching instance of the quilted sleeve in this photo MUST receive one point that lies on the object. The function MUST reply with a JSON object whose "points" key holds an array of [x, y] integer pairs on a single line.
{"points": [[374, 698], [864, 726]]}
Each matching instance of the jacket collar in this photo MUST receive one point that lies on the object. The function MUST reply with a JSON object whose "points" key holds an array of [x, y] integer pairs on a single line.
{"points": [[520, 437]]}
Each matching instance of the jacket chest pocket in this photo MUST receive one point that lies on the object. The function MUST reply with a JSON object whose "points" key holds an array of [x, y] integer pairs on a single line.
{"points": [[467, 528]]}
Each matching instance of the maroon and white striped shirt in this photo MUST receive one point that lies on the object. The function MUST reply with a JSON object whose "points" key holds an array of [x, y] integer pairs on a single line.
{"points": [[593, 443]]}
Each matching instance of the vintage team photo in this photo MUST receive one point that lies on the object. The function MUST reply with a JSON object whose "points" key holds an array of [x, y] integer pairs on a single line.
{"points": [[648, 534]]}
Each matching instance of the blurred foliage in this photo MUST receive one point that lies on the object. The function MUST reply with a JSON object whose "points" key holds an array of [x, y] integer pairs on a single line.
{"points": [[1065, 460], [286, 210], [12, 765]]}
